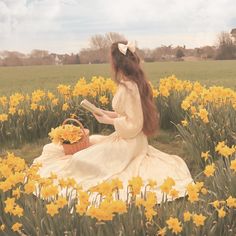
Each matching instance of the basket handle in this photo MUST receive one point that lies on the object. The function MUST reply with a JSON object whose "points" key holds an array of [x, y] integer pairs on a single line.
{"points": [[78, 122]]}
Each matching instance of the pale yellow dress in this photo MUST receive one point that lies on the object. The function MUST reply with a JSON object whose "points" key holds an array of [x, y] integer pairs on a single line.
{"points": [[124, 153]]}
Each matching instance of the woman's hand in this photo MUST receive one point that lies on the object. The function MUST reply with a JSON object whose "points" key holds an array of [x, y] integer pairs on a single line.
{"points": [[104, 119], [101, 110]]}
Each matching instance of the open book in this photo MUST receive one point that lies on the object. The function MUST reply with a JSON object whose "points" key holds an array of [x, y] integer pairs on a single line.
{"points": [[90, 107]]}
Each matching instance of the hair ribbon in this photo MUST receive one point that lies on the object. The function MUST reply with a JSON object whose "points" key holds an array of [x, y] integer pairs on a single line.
{"points": [[124, 47]]}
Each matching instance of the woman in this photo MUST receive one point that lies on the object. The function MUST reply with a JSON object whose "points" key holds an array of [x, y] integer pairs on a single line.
{"points": [[125, 153]]}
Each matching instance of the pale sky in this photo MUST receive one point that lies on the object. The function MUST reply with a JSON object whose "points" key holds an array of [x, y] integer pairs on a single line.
{"points": [[67, 25]]}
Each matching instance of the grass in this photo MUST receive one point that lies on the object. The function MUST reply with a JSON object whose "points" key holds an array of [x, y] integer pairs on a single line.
{"points": [[28, 78]]}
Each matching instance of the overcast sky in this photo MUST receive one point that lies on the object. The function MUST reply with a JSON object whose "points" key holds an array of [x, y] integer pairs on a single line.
{"points": [[67, 25]]}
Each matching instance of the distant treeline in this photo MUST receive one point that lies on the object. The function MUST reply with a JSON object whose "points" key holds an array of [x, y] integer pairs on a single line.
{"points": [[98, 52]]}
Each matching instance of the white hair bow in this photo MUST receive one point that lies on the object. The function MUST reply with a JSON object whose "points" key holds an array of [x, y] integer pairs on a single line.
{"points": [[124, 47]]}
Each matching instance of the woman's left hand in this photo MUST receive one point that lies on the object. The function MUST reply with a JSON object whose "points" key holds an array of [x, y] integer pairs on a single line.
{"points": [[104, 119]]}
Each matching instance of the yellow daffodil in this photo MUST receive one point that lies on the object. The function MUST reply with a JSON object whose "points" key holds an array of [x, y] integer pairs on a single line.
{"points": [[2, 227], [205, 155], [161, 232], [209, 170], [52, 209], [187, 216], [16, 227], [3, 117], [174, 225], [231, 202], [233, 165], [199, 219], [221, 212], [104, 100], [184, 122]]}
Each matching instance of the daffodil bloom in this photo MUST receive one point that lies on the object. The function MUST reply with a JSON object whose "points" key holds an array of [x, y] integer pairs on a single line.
{"points": [[55, 101], [161, 232], [204, 191], [64, 89], [184, 122], [221, 212], [185, 105], [117, 183], [104, 100], [233, 165], [203, 114], [3, 101], [152, 183], [10, 204], [65, 107], [29, 187], [3, 117], [199, 219], [81, 209], [118, 206], [205, 155], [52, 209], [16, 227], [149, 213], [231, 202], [2, 227], [224, 150], [17, 211], [139, 201], [136, 183], [193, 196], [199, 185], [33, 106], [174, 193], [61, 202], [49, 191], [174, 225], [209, 170], [216, 204], [187, 216]]}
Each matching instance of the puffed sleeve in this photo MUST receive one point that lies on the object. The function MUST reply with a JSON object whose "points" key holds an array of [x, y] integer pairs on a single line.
{"points": [[130, 123]]}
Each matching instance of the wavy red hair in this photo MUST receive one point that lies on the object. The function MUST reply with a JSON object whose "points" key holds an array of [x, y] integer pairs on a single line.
{"points": [[129, 66]]}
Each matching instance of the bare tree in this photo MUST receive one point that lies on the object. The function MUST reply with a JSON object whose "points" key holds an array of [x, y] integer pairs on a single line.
{"points": [[114, 37], [98, 52], [98, 42], [226, 48]]}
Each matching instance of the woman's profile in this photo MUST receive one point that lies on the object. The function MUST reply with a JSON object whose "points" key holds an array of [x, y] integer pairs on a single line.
{"points": [[125, 153]]}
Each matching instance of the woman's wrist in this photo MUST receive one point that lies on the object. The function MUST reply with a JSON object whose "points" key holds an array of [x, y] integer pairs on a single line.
{"points": [[111, 121]]}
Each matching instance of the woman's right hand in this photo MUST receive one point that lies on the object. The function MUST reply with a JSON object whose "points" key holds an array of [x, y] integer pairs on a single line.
{"points": [[103, 111]]}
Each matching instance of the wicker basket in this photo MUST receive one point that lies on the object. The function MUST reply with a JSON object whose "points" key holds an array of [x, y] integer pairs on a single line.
{"points": [[81, 144]]}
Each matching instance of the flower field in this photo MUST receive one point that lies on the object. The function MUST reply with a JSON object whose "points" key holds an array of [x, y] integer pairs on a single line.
{"points": [[205, 119]]}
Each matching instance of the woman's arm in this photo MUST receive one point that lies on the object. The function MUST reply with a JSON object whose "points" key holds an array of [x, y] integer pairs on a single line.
{"points": [[111, 114], [104, 119]]}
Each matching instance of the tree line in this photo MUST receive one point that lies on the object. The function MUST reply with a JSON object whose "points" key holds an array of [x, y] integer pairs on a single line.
{"points": [[98, 52]]}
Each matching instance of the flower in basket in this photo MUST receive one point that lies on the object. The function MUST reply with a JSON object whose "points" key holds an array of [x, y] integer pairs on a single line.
{"points": [[66, 134]]}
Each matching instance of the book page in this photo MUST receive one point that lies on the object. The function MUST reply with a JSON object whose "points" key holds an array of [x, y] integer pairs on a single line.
{"points": [[90, 107]]}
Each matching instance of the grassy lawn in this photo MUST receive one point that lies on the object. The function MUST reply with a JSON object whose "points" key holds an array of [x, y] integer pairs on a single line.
{"points": [[48, 77]]}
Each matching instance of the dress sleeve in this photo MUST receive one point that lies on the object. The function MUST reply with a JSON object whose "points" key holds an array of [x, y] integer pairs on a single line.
{"points": [[129, 124]]}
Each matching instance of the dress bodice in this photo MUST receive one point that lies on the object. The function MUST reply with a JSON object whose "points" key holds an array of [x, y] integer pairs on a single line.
{"points": [[119, 101], [127, 104]]}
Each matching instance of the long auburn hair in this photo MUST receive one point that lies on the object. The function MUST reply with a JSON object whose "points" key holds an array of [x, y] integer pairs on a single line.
{"points": [[129, 66]]}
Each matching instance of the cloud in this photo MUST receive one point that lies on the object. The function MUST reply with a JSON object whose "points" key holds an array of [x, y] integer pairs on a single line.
{"points": [[67, 25]]}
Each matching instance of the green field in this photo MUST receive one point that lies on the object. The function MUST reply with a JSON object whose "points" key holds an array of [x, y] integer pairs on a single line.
{"points": [[47, 77]]}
